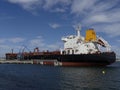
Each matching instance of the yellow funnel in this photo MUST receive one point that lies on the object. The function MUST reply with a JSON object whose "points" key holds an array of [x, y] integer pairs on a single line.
{"points": [[90, 35]]}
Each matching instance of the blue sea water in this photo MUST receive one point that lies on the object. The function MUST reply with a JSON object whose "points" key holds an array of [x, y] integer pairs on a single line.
{"points": [[37, 77]]}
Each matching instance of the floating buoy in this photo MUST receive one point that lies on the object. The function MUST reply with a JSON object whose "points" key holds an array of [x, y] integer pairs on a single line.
{"points": [[103, 72]]}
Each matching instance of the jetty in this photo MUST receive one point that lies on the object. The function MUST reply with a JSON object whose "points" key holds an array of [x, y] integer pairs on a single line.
{"points": [[34, 61], [16, 62]]}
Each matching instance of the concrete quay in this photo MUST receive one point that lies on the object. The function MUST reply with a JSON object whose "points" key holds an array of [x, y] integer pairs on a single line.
{"points": [[16, 62], [41, 62]]}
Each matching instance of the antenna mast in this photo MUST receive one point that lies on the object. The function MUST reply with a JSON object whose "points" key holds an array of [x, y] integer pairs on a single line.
{"points": [[78, 28]]}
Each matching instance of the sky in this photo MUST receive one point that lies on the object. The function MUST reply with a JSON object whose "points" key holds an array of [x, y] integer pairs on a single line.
{"points": [[41, 23]]}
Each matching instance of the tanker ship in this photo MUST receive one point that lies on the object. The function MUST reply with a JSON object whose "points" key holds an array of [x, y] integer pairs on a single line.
{"points": [[77, 51], [82, 51]]}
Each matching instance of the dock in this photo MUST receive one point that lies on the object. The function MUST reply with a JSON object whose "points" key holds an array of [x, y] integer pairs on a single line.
{"points": [[40, 62], [16, 62]]}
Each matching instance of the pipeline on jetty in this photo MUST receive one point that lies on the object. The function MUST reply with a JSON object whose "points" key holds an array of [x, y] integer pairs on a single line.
{"points": [[40, 62]]}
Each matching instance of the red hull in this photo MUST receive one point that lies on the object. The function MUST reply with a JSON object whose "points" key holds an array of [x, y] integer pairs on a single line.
{"points": [[48, 63], [74, 64], [82, 64]]}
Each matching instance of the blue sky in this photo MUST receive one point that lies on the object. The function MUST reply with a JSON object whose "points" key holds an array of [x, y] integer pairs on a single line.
{"points": [[42, 23]]}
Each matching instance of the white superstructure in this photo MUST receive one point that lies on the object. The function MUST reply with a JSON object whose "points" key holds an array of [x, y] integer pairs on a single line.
{"points": [[77, 44]]}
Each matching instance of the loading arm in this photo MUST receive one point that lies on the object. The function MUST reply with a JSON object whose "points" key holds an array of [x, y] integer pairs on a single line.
{"points": [[104, 43]]}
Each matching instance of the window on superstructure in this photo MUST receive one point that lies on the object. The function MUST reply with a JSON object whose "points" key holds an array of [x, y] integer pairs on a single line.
{"points": [[68, 51], [76, 50], [72, 51], [64, 52]]}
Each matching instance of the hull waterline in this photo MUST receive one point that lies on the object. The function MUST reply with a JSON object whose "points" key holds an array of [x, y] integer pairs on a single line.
{"points": [[101, 59]]}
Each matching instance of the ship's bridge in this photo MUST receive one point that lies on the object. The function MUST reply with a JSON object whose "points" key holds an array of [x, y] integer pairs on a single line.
{"points": [[65, 39]]}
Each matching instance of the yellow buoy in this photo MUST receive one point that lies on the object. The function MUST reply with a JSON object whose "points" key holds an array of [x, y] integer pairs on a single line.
{"points": [[103, 72]]}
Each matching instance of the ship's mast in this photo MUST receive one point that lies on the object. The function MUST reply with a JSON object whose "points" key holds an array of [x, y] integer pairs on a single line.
{"points": [[78, 28]]}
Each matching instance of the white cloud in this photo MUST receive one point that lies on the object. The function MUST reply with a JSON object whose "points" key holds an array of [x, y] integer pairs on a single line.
{"points": [[16, 40], [32, 5], [96, 19], [88, 7], [12, 40], [4, 46], [55, 46], [27, 4], [82, 6], [37, 42], [118, 40], [22, 1], [39, 37], [112, 30], [54, 25], [104, 16], [89, 12], [2, 40], [42, 45], [51, 3], [58, 10]]}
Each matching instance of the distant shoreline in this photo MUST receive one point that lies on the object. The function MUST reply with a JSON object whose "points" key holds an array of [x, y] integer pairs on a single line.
{"points": [[117, 60]]}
